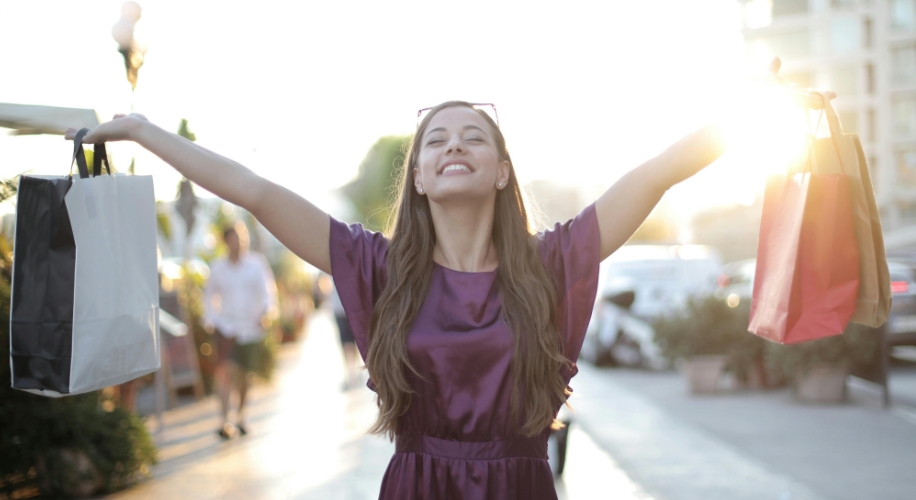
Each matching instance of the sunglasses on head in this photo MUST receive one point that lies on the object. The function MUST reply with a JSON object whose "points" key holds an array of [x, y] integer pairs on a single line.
{"points": [[487, 107]]}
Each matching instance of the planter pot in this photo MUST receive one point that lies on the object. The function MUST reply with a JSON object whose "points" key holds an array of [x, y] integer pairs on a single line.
{"points": [[703, 373], [822, 384], [68, 472]]}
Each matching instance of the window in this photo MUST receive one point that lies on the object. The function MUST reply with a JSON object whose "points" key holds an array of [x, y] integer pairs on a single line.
{"points": [[844, 80], [849, 120], [906, 168], [845, 34], [843, 4], [789, 7], [903, 65], [903, 15], [871, 125], [904, 117], [870, 78], [787, 44]]}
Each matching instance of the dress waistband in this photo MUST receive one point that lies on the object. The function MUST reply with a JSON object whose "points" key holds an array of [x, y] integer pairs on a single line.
{"points": [[535, 447]]}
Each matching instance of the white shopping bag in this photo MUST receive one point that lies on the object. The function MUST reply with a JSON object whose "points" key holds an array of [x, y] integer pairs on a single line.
{"points": [[85, 306]]}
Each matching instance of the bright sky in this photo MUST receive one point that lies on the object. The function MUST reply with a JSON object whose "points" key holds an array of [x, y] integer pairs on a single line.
{"points": [[299, 91]]}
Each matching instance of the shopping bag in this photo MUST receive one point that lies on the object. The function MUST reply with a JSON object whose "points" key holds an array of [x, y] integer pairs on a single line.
{"points": [[84, 312], [842, 154], [807, 276]]}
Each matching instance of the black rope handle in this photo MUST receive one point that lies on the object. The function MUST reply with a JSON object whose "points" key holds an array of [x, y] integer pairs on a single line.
{"points": [[79, 156]]}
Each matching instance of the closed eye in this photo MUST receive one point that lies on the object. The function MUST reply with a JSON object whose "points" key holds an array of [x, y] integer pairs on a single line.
{"points": [[434, 141]]}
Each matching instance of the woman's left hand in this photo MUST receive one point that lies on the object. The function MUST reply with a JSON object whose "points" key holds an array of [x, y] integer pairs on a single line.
{"points": [[807, 98]]}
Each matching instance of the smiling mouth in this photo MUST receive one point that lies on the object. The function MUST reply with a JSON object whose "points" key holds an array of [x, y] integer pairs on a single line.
{"points": [[456, 167]]}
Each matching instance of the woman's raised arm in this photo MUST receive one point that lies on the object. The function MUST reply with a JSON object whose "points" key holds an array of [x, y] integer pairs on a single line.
{"points": [[626, 204], [301, 226]]}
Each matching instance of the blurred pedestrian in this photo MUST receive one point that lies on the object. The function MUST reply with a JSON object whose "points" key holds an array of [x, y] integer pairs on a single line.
{"points": [[240, 300], [470, 322], [351, 356]]}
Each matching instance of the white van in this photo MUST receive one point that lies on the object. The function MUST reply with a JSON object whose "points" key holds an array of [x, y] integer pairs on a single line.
{"points": [[663, 277]]}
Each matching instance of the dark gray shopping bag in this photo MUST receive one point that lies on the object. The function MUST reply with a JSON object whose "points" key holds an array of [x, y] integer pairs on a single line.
{"points": [[85, 304]]}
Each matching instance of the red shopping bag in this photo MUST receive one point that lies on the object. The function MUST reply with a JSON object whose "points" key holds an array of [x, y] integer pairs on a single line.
{"points": [[807, 276]]}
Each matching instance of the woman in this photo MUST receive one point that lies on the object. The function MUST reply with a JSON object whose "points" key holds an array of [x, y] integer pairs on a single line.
{"points": [[470, 325]]}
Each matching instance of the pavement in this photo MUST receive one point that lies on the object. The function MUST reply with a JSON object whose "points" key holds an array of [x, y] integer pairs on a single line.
{"points": [[636, 435]]}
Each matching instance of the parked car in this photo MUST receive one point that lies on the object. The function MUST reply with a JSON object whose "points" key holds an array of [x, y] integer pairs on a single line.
{"points": [[901, 324], [662, 277], [736, 279], [615, 337], [637, 284]]}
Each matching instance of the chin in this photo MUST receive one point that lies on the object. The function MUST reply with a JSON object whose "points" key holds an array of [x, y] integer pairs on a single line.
{"points": [[456, 194]]}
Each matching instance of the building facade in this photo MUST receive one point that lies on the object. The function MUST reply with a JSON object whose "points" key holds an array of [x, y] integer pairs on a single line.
{"points": [[864, 50]]}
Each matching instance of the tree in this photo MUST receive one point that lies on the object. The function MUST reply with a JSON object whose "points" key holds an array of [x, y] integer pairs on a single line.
{"points": [[373, 189]]}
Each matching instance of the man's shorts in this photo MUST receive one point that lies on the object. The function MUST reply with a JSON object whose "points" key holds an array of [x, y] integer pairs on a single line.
{"points": [[245, 356]]}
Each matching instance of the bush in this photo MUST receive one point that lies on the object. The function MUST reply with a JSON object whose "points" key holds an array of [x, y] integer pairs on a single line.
{"points": [[856, 349], [708, 326]]}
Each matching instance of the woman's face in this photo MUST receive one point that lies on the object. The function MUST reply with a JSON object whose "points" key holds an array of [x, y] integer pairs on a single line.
{"points": [[458, 158]]}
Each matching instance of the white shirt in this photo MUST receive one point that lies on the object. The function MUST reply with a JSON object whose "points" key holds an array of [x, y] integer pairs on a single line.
{"points": [[238, 295]]}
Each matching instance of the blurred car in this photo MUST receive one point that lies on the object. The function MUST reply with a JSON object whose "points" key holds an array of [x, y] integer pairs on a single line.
{"points": [[637, 284], [662, 277], [615, 337], [901, 324], [736, 280]]}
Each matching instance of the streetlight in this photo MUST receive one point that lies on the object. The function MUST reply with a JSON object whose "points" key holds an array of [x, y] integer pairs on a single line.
{"points": [[128, 46]]}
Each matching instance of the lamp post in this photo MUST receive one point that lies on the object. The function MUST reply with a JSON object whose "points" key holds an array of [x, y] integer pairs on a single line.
{"points": [[132, 50], [128, 46]]}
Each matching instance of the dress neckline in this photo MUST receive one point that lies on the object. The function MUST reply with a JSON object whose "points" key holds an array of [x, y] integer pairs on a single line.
{"points": [[483, 273]]}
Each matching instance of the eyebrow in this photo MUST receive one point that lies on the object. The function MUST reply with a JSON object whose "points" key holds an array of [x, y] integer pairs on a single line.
{"points": [[466, 127]]}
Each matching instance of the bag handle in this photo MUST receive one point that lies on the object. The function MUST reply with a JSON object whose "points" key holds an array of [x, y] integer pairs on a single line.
{"points": [[836, 131], [79, 156]]}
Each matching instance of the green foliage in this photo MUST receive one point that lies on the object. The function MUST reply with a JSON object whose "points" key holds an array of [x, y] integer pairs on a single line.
{"points": [[35, 428], [856, 349], [706, 326], [185, 132], [373, 189]]}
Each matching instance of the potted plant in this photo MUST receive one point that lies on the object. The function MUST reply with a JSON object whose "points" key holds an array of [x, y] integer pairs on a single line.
{"points": [[818, 369], [708, 335]]}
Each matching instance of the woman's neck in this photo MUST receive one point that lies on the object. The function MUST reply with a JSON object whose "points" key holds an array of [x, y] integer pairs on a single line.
{"points": [[464, 237]]}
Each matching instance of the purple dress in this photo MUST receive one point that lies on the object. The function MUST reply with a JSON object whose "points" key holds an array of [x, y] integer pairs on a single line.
{"points": [[454, 442]]}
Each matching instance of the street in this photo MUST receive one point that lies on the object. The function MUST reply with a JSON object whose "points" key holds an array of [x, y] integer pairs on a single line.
{"points": [[636, 435]]}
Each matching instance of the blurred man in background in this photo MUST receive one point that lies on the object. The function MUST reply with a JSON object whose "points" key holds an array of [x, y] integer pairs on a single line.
{"points": [[240, 300]]}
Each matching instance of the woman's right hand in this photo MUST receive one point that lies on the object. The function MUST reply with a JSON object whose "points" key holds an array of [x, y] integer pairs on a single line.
{"points": [[120, 128]]}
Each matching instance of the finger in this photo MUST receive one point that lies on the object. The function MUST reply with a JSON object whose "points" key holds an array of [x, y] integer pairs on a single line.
{"points": [[70, 134], [775, 64], [118, 115]]}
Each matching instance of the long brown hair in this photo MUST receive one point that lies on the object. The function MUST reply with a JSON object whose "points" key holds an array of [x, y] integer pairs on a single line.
{"points": [[529, 303]]}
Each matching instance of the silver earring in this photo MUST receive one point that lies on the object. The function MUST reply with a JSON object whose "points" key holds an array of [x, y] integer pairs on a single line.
{"points": [[420, 190], [499, 184]]}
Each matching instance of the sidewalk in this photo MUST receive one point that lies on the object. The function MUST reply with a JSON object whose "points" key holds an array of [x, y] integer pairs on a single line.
{"points": [[306, 437], [750, 445]]}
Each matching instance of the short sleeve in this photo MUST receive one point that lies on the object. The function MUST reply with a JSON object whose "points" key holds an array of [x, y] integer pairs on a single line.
{"points": [[571, 253], [359, 271]]}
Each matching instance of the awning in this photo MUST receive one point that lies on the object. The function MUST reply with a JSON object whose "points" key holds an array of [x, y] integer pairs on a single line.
{"points": [[28, 119]]}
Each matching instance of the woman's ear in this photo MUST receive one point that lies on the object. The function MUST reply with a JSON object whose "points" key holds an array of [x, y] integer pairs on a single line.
{"points": [[502, 177], [417, 181]]}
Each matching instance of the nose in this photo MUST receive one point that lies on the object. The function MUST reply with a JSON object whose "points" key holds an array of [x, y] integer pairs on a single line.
{"points": [[454, 146]]}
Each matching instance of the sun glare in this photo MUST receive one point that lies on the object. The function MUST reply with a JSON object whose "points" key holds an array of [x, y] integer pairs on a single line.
{"points": [[768, 133]]}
